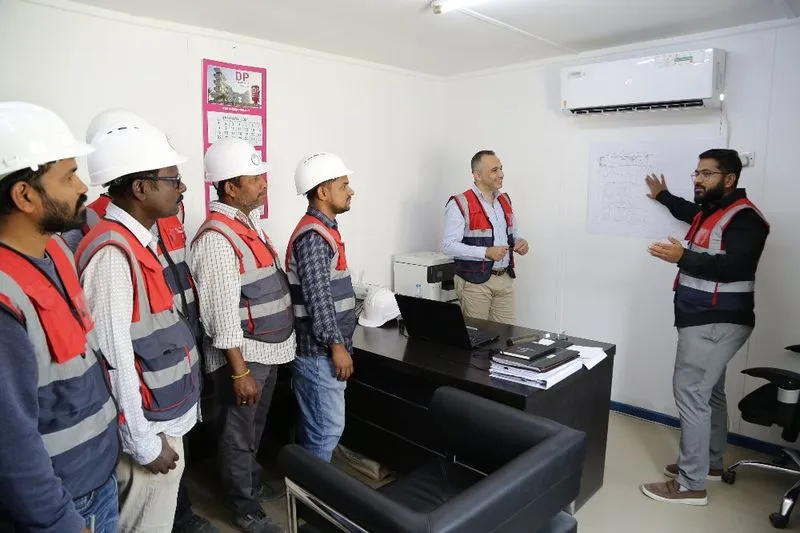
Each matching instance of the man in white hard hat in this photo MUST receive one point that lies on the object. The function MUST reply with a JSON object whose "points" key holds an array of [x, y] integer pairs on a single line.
{"points": [[172, 256], [482, 235], [324, 303], [58, 442], [150, 344], [247, 317]]}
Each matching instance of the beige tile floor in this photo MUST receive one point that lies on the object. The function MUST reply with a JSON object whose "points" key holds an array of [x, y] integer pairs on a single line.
{"points": [[637, 452]]}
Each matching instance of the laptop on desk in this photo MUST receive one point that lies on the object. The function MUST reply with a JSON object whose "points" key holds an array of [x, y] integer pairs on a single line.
{"points": [[440, 322]]}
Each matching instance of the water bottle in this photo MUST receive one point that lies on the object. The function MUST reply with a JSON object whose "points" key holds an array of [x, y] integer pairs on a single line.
{"points": [[418, 291]]}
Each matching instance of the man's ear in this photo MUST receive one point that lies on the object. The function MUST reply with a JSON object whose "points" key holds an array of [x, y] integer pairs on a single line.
{"points": [[138, 189], [21, 194]]}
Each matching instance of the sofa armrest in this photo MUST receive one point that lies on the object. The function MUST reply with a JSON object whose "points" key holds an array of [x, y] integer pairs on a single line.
{"points": [[348, 496], [482, 433], [526, 492]]}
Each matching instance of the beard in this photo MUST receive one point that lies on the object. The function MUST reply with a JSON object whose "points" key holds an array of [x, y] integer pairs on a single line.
{"points": [[60, 216], [705, 196]]}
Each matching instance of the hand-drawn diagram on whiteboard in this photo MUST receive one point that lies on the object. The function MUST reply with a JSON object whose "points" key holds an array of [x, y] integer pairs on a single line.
{"points": [[618, 202]]}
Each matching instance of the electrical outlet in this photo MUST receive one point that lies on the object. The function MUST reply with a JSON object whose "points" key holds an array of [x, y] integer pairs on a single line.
{"points": [[748, 158]]}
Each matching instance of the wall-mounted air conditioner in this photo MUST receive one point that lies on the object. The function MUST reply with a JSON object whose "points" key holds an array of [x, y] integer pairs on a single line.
{"points": [[667, 81]]}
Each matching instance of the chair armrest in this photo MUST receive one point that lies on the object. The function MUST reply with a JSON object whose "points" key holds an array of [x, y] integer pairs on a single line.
{"points": [[784, 379], [528, 491], [345, 494], [482, 433]]}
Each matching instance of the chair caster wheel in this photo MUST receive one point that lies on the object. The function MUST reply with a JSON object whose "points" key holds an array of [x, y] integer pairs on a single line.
{"points": [[778, 520], [729, 477]]}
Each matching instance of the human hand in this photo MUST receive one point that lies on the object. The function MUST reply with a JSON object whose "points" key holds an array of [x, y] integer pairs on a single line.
{"points": [[166, 460], [496, 253], [655, 184]]}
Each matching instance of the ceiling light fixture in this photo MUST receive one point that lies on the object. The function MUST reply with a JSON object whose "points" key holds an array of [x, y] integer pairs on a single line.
{"points": [[441, 7]]}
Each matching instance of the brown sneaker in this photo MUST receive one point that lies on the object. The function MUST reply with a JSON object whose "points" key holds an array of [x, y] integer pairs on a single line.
{"points": [[714, 474], [669, 492]]}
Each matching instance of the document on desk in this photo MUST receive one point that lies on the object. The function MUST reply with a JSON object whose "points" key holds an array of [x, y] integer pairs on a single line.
{"points": [[590, 355], [543, 380]]}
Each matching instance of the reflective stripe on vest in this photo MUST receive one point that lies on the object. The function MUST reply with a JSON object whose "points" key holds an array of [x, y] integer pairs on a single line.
{"points": [[77, 415], [478, 231], [265, 305], [693, 294], [164, 347], [341, 284]]}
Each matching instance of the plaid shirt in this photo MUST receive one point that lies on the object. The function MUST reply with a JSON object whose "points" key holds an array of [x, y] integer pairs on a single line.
{"points": [[314, 256]]}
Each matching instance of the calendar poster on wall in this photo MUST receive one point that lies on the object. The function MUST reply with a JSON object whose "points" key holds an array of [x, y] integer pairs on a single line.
{"points": [[234, 105]]}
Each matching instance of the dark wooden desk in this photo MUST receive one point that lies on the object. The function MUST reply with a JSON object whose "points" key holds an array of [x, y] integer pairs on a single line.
{"points": [[395, 377]]}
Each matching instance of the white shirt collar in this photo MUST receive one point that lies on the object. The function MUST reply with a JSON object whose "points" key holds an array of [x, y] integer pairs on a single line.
{"points": [[143, 235], [481, 196]]}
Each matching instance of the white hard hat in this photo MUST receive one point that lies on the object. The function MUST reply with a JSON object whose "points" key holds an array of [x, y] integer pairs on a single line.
{"points": [[130, 149], [380, 307], [230, 158], [110, 119], [317, 168], [31, 136]]}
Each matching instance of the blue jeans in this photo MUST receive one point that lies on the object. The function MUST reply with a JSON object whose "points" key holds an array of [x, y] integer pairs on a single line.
{"points": [[320, 397], [102, 504]]}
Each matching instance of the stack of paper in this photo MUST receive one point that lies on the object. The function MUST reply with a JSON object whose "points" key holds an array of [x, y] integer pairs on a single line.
{"points": [[590, 356], [542, 380]]}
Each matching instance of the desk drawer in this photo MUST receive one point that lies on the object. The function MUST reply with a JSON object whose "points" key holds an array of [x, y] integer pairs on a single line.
{"points": [[387, 411]]}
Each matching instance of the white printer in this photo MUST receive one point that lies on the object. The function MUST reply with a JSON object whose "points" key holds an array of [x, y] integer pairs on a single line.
{"points": [[425, 275]]}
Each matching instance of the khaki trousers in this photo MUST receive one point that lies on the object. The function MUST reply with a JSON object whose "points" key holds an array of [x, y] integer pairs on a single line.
{"points": [[493, 300], [147, 501]]}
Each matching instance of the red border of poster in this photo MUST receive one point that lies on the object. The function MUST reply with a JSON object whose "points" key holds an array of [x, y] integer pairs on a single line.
{"points": [[238, 109]]}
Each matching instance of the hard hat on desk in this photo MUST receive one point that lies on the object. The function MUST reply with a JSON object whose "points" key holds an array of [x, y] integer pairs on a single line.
{"points": [[380, 307]]}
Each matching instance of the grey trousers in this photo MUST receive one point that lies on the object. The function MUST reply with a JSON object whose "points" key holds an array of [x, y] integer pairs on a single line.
{"points": [[699, 388], [240, 434]]}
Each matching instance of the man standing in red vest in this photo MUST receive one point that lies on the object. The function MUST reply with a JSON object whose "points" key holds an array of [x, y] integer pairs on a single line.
{"points": [[482, 235], [247, 316], [58, 443], [324, 302], [149, 342], [714, 313]]}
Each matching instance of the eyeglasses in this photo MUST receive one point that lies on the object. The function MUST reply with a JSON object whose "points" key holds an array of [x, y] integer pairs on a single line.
{"points": [[175, 180], [704, 174]]}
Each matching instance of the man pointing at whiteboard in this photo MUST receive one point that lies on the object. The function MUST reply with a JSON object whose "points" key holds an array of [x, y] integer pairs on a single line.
{"points": [[714, 302]]}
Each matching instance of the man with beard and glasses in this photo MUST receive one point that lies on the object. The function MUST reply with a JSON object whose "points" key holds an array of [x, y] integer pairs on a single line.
{"points": [[58, 444], [151, 347], [714, 313]]}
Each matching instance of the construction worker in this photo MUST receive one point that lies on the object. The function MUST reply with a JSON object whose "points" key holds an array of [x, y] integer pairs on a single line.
{"points": [[58, 444], [149, 342], [247, 316], [324, 303], [172, 256]]}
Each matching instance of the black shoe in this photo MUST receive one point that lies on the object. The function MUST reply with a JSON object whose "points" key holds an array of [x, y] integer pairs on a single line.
{"points": [[258, 522], [194, 524], [269, 491]]}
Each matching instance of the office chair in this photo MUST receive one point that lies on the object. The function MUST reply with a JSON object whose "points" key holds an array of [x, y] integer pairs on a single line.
{"points": [[496, 469], [774, 403]]}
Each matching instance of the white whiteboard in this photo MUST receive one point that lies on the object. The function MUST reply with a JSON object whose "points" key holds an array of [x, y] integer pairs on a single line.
{"points": [[618, 202]]}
